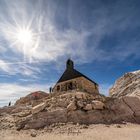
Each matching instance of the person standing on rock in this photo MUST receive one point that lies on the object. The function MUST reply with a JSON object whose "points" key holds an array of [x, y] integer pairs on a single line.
{"points": [[9, 103], [50, 89]]}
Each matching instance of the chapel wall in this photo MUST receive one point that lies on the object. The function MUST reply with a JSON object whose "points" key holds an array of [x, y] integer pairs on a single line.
{"points": [[80, 83]]}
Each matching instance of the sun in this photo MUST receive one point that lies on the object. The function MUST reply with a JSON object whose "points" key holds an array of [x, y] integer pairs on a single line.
{"points": [[24, 36]]}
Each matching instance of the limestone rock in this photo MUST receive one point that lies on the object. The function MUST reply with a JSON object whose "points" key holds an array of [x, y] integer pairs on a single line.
{"points": [[38, 108], [24, 113], [6, 110], [88, 107], [128, 84], [88, 117], [32, 98], [76, 107], [97, 104], [72, 106], [80, 104], [119, 111], [45, 118], [79, 96], [132, 102], [33, 134]]}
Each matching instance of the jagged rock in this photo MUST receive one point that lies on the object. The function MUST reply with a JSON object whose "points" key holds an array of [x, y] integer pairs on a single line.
{"points": [[24, 113], [72, 106], [38, 108], [6, 110], [88, 107], [80, 104], [46, 118], [133, 102], [32, 98], [7, 122], [80, 95], [89, 117], [128, 84], [120, 111], [20, 123], [98, 104], [76, 107], [134, 105]]}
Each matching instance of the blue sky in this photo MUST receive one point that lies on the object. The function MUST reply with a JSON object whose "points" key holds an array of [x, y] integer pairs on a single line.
{"points": [[101, 36]]}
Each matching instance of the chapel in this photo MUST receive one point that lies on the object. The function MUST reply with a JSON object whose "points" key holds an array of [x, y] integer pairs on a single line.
{"points": [[72, 79]]}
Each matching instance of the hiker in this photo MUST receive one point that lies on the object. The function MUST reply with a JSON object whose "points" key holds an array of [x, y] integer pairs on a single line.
{"points": [[50, 89], [9, 103]]}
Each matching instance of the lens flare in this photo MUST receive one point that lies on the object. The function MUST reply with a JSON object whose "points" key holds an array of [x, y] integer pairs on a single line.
{"points": [[24, 36]]}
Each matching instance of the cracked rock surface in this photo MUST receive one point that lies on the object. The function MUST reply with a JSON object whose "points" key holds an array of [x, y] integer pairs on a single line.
{"points": [[127, 85]]}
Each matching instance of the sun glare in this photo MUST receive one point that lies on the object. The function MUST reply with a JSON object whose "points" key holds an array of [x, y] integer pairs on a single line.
{"points": [[24, 36]]}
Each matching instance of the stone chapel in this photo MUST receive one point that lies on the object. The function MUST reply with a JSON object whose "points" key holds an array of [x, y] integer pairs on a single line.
{"points": [[72, 79]]}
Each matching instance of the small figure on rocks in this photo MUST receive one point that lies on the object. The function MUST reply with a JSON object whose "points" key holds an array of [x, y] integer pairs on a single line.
{"points": [[9, 103], [50, 89]]}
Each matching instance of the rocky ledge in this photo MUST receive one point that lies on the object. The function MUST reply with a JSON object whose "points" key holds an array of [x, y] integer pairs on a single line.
{"points": [[75, 107], [44, 110]]}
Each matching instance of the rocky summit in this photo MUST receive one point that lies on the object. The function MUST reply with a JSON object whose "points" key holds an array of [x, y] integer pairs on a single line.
{"points": [[41, 110]]}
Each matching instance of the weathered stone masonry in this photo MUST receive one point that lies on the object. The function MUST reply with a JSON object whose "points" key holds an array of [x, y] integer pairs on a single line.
{"points": [[74, 80]]}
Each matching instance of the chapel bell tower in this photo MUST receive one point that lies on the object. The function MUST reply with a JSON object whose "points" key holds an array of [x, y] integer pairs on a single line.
{"points": [[69, 64]]}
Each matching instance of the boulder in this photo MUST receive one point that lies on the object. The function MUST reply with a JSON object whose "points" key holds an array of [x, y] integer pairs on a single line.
{"points": [[132, 102], [24, 113], [46, 118], [38, 108], [79, 95], [89, 117], [97, 104], [119, 111], [72, 106], [88, 107], [33, 134], [80, 104]]}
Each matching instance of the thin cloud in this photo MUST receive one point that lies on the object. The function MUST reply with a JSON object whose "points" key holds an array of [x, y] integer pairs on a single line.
{"points": [[12, 92], [104, 89], [52, 44]]}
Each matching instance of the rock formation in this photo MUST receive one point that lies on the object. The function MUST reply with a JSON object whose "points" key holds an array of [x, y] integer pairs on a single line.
{"points": [[32, 98], [127, 85], [77, 107]]}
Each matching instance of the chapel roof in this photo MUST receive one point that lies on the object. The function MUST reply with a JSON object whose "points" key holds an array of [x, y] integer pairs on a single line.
{"points": [[71, 73]]}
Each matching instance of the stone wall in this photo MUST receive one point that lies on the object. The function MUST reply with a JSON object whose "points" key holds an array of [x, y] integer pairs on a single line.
{"points": [[89, 86], [79, 83]]}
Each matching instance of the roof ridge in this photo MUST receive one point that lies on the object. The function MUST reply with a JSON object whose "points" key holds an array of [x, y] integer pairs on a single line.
{"points": [[69, 74]]}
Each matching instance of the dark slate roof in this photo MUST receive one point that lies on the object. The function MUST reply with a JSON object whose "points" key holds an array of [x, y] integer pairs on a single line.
{"points": [[71, 74]]}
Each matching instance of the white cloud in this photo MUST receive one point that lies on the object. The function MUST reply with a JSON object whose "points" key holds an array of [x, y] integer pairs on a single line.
{"points": [[22, 68], [12, 92], [4, 66], [51, 44], [104, 89]]}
